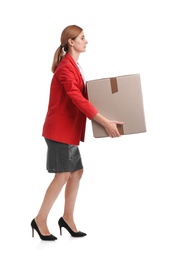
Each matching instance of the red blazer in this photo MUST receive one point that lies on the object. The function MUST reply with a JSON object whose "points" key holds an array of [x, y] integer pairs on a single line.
{"points": [[68, 105]]}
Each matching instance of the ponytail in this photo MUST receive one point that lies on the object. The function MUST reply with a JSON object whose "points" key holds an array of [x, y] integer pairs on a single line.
{"points": [[59, 53]]}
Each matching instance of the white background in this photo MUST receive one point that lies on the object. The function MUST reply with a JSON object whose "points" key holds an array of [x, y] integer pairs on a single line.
{"points": [[125, 197]]}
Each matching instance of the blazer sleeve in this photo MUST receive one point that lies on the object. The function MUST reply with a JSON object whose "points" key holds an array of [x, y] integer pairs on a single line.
{"points": [[73, 85]]}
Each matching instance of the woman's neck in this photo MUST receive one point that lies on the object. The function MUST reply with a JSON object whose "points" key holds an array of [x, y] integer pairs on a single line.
{"points": [[75, 55]]}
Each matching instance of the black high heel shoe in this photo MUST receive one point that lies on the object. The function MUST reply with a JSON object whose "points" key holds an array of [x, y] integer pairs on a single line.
{"points": [[47, 238], [62, 223]]}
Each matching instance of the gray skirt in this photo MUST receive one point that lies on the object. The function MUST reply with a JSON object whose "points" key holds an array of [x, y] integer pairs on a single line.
{"points": [[62, 157]]}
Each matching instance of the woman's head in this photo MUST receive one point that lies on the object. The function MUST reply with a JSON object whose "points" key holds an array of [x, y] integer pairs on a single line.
{"points": [[69, 33]]}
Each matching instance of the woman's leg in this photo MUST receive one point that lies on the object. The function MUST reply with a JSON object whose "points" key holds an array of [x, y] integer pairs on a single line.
{"points": [[50, 196], [71, 191]]}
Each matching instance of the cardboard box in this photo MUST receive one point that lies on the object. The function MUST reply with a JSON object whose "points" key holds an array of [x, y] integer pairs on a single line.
{"points": [[118, 98]]}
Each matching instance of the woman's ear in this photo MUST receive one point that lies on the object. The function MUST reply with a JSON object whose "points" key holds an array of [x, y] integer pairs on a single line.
{"points": [[70, 42]]}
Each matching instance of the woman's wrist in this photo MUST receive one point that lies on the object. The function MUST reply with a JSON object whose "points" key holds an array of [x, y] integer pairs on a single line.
{"points": [[101, 120]]}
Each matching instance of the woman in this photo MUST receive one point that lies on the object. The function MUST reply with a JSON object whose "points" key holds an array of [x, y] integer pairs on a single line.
{"points": [[64, 128]]}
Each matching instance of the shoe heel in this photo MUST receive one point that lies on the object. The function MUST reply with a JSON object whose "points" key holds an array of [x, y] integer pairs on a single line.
{"points": [[60, 231], [32, 232]]}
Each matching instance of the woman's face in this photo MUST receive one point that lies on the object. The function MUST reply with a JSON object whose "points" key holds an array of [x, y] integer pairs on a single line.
{"points": [[79, 43]]}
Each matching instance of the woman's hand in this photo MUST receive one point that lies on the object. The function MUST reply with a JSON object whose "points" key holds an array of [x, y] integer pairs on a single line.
{"points": [[109, 125], [112, 129]]}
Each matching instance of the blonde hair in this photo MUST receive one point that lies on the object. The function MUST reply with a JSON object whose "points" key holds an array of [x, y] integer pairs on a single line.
{"points": [[70, 32]]}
